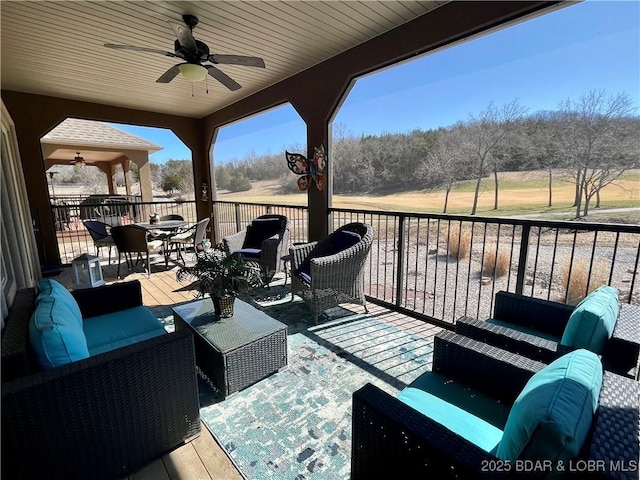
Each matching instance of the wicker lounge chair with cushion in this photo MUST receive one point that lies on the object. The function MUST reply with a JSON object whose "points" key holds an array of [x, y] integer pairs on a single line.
{"points": [[265, 241], [93, 386], [330, 271], [484, 412], [543, 330]]}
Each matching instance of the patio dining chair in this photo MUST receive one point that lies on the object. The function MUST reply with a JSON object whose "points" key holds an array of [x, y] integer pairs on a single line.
{"points": [[331, 271], [100, 235], [192, 236], [133, 239], [544, 330]]}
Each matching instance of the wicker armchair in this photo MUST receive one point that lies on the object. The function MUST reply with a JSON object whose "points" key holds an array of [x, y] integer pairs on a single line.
{"points": [[264, 241], [100, 417], [392, 440], [533, 327], [325, 276]]}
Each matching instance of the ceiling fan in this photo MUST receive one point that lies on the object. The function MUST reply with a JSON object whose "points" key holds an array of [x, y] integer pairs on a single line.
{"points": [[194, 53], [78, 160]]}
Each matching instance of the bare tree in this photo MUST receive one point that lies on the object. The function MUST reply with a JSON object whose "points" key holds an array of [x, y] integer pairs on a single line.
{"points": [[545, 138], [486, 132], [445, 159], [596, 142]]}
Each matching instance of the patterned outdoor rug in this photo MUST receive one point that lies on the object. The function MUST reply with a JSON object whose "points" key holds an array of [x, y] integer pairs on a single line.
{"points": [[296, 424]]}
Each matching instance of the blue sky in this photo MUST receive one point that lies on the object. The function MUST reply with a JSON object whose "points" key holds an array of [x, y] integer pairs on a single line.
{"points": [[589, 46]]}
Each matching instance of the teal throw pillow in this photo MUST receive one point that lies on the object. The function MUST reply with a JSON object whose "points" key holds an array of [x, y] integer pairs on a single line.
{"points": [[55, 335], [48, 287], [592, 322], [552, 416]]}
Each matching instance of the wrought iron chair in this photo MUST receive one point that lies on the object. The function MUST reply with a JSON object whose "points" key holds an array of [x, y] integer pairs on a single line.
{"points": [[330, 271], [133, 239], [99, 232], [194, 235], [264, 241]]}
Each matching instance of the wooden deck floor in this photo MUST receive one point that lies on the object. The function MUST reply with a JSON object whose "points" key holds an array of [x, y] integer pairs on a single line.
{"points": [[203, 458]]}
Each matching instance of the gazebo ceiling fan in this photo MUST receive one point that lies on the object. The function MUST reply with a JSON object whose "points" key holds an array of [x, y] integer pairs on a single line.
{"points": [[194, 53], [78, 160]]}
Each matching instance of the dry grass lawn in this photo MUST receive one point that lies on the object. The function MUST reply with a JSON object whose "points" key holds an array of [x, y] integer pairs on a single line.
{"points": [[520, 192]]}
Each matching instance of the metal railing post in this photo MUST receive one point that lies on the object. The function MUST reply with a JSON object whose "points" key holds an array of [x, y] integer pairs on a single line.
{"points": [[401, 266], [522, 261], [237, 217]]}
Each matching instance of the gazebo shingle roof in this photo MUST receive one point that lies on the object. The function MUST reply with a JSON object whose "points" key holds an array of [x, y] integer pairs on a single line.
{"points": [[79, 132]]}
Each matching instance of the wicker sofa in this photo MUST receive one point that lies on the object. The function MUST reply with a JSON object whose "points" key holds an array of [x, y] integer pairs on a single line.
{"points": [[534, 328], [393, 440], [102, 416]]}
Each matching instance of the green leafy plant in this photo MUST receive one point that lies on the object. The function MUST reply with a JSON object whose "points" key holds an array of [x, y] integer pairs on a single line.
{"points": [[221, 273]]}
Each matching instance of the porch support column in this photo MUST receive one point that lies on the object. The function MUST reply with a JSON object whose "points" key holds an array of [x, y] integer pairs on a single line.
{"points": [[110, 171], [126, 169], [200, 145], [318, 201], [141, 159]]}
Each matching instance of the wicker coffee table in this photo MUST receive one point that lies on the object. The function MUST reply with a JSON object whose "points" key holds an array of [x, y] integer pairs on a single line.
{"points": [[234, 352]]}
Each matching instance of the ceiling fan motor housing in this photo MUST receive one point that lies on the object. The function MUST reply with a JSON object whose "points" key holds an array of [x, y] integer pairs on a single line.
{"points": [[201, 55]]}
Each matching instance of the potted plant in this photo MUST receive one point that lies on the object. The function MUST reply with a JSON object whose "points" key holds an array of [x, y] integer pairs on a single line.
{"points": [[222, 275]]}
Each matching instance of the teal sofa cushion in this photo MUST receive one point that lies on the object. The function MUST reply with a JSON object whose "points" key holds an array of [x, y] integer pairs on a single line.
{"points": [[55, 334], [466, 412], [592, 322], [126, 327], [552, 416], [48, 287], [523, 329]]}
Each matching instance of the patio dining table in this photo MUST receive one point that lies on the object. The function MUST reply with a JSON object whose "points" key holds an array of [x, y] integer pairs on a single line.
{"points": [[166, 227]]}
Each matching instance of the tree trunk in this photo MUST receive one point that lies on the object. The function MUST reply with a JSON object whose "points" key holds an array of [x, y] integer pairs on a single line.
{"points": [[446, 198], [578, 204], [578, 193], [598, 199], [587, 200], [495, 181], [475, 196], [550, 180]]}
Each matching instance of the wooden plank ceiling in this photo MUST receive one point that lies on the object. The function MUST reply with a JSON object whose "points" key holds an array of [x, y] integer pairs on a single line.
{"points": [[57, 48]]}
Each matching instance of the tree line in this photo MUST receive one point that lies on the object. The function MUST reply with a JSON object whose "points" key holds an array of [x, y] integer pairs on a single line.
{"points": [[595, 138]]}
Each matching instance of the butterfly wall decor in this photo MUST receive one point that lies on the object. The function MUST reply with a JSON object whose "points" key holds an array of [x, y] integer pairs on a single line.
{"points": [[312, 170]]}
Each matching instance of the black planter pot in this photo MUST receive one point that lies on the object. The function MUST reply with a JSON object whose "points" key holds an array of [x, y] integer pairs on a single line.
{"points": [[223, 306]]}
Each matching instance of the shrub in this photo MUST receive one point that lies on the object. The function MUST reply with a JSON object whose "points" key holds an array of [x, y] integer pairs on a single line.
{"points": [[459, 242], [575, 287], [495, 263]]}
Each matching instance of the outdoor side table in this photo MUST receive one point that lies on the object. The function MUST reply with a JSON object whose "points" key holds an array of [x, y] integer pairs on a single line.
{"points": [[234, 352]]}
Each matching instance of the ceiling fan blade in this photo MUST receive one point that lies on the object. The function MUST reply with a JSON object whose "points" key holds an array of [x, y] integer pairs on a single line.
{"points": [[185, 37], [139, 49], [169, 75], [237, 60], [223, 78]]}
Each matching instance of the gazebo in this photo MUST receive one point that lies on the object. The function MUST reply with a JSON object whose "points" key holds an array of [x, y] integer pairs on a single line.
{"points": [[103, 146]]}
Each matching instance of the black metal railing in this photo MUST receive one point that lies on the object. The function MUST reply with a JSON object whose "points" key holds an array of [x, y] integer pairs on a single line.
{"points": [[434, 266], [440, 267], [446, 266], [231, 217], [73, 237]]}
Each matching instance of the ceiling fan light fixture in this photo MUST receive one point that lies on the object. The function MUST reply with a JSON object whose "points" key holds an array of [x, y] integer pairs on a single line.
{"points": [[78, 160], [195, 73]]}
